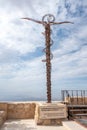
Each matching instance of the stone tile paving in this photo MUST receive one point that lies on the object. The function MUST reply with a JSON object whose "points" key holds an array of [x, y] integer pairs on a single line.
{"points": [[27, 125]]}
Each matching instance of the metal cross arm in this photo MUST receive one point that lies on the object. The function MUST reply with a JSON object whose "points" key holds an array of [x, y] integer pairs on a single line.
{"points": [[47, 21], [62, 22], [41, 22]]}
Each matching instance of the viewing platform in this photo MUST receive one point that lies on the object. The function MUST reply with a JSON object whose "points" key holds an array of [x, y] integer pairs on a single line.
{"points": [[58, 115], [20, 116], [29, 124]]}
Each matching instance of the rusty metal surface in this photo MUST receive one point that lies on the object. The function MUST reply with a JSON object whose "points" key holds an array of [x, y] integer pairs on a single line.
{"points": [[47, 21]]}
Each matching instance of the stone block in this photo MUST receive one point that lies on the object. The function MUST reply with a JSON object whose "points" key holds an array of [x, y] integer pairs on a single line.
{"points": [[50, 114]]}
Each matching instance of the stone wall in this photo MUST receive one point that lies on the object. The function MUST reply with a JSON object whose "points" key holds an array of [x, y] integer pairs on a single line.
{"points": [[75, 100], [18, 110], [21, 110]]}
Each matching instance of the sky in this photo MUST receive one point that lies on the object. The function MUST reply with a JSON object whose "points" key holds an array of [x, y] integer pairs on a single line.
{"points": [[22, 72]]}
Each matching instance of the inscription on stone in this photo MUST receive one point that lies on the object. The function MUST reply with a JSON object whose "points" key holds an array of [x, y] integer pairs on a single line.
{"points": [[52, 112]]}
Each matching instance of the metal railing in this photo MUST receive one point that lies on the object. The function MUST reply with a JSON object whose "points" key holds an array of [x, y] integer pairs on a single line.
{"points": [[78, 95]]}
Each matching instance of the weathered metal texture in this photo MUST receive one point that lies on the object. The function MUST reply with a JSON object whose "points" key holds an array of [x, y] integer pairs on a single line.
{"points": [[47, 21], [48, 62]]}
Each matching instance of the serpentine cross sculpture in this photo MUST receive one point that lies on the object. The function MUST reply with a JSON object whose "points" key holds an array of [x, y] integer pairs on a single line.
{"points": [[47, 21]]}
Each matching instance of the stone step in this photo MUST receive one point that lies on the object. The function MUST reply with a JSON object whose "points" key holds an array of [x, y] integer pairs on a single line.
{"points": [[77, 110], [72, 125], [82, 114], [77, 106]]}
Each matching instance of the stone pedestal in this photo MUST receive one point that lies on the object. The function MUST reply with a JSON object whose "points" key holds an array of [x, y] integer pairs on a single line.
{"points": [[50, 113]]}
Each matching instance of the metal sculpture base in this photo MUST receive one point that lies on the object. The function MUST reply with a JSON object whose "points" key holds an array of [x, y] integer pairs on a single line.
{"points": [[50, 113]]}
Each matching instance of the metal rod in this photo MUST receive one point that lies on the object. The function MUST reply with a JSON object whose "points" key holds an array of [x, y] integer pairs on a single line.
{"points": [[48, 62]]}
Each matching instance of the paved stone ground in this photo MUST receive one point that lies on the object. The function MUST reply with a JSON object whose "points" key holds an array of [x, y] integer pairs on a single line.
{"points": [[27, 125], [72, 125]]}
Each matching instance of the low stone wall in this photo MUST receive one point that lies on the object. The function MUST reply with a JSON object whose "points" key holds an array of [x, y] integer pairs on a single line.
{"points": [[18, 110], [21, 110], [75, 100]]}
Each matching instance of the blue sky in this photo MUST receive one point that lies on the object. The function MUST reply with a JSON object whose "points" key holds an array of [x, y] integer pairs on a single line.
{"points": [[22, 72]]}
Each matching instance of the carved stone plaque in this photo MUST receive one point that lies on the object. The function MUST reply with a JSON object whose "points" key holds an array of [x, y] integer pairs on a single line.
{"points": [[52, 111]]}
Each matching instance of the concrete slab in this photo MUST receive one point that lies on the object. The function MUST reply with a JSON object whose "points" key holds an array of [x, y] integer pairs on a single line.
{"points": [[27, 125], [72, 125]]}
